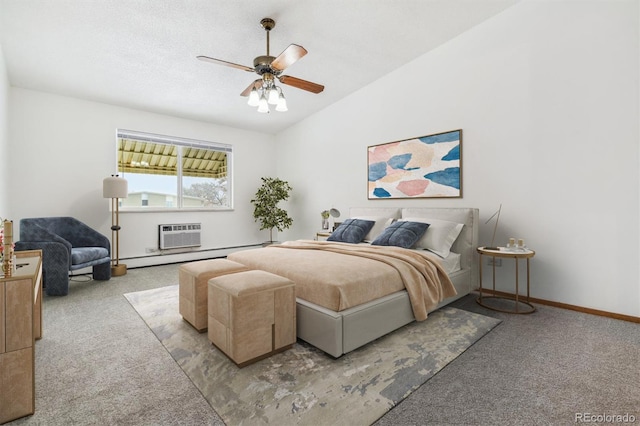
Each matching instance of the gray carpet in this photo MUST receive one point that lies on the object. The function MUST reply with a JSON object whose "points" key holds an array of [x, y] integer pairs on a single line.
{"points": [[539, 369], [303, 385], [98, 363]]}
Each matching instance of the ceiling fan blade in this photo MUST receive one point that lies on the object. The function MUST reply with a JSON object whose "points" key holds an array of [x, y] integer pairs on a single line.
{"points": [[301, 84], [257, 83], [288, 56], [225, 63]]}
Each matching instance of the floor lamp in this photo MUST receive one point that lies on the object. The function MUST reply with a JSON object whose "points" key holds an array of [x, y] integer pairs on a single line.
{"points": [[115, 187]]}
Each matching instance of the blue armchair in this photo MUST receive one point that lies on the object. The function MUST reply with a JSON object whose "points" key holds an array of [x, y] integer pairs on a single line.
{"points": [[67, 245]]}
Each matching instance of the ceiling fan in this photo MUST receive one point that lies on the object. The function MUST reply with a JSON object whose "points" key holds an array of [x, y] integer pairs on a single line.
{"points": [[264, 91]]}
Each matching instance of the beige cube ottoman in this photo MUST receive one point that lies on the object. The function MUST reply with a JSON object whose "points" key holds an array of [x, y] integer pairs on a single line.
{"points": [[252, 315], [193, 278]]}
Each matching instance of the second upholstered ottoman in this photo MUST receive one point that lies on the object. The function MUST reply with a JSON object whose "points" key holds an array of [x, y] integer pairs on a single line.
{"points": [[252, 315]]}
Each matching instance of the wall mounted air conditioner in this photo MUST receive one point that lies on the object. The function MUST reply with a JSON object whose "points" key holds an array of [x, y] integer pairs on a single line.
{"points": [[179, 235]]}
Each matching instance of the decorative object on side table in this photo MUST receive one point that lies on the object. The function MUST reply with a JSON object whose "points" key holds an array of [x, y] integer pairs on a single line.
{"points": [[266, 210], [115, 187], [325, 214], [515, 245], [335, 213], [325, 219], [495, 228]]}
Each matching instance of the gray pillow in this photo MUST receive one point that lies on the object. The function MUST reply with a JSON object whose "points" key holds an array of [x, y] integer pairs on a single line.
{"points": [[401, 234], [351, 231]]}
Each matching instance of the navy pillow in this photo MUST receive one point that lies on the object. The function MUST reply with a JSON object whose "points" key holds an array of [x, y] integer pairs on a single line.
{"points": [[401, 234], [351, 231]]}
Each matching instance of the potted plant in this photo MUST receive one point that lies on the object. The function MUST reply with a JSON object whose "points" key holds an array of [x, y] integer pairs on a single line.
{"points": [[266, 210]]}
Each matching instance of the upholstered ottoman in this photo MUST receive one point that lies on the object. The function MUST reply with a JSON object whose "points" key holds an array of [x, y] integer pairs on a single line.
{"points": [[252, 315], [193, 278]]}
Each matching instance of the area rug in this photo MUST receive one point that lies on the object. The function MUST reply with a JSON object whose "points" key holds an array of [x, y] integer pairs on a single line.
{"points": [[304, 385]]}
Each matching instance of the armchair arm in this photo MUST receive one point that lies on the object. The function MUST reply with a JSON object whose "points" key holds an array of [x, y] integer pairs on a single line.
{"points": [[81, 235], [56, 257], [32, 232]]}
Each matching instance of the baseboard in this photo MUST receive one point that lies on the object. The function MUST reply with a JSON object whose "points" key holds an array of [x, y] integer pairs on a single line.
{"points": [[170, 256], [591, 311]]}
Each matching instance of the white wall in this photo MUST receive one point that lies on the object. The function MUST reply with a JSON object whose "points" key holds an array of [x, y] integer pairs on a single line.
{"points": [[62, 148], [547, 96], [5, 206]]}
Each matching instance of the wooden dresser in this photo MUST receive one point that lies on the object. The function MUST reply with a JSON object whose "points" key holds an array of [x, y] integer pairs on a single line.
{"points": [[20, 326]]}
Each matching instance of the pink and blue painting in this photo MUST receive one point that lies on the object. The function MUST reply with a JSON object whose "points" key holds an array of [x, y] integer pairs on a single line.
{"points": [[423, 167]]}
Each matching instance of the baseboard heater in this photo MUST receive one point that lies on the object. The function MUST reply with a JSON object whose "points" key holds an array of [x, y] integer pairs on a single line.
{"points": [[179, 235]]}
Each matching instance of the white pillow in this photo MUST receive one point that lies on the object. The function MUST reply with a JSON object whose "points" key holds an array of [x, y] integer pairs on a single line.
{"points": [[380, 224], [440, 235]]}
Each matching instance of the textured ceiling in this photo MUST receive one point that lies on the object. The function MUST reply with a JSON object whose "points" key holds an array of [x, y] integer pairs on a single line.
{"points": [[142, 54]]}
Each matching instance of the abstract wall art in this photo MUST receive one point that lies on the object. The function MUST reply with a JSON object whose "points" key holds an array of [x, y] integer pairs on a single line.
{"points": [[424, 167]]}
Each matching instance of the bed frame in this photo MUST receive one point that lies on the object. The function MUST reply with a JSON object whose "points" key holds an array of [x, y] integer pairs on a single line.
{"points": [[338, 333]]}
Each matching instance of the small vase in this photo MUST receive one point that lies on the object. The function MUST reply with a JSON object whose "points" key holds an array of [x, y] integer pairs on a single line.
{"points": [[325, 223], [7, 266]]}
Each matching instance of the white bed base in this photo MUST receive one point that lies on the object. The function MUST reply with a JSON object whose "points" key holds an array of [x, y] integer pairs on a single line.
{"points": [[338, 333]]}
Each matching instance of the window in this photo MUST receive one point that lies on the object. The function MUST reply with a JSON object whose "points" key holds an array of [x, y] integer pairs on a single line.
{"points": [[165, 172]]}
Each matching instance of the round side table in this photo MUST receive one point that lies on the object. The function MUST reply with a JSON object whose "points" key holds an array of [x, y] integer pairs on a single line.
{"points": [[522, 304]]}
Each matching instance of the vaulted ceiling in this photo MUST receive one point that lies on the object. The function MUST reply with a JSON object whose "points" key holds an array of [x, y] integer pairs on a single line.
{"points": [[142, 53]]}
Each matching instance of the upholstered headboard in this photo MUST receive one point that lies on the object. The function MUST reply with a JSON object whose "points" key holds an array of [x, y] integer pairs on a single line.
{"points": [[466, 242], [393, 212]]}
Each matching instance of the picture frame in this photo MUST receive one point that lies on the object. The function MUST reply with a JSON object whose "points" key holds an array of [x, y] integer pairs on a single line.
{"points": [[423, 167]]}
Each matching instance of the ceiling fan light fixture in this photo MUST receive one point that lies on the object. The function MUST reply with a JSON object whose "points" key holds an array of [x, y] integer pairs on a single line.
{"points": [[282, 103], [263, 105], [254, 98], [264, 91], [273, 95]]}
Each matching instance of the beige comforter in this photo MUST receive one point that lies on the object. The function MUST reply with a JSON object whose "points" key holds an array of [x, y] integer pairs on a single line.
{"points": [[325, 276]]}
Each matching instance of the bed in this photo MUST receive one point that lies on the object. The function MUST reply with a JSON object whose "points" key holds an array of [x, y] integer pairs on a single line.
{"points": [[345, 300]]}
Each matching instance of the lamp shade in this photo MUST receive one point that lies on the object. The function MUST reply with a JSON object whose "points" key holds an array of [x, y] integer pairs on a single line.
{"points": [[263, 105], [272, 97], [114, 187], [282, 104], [254, 97]]}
